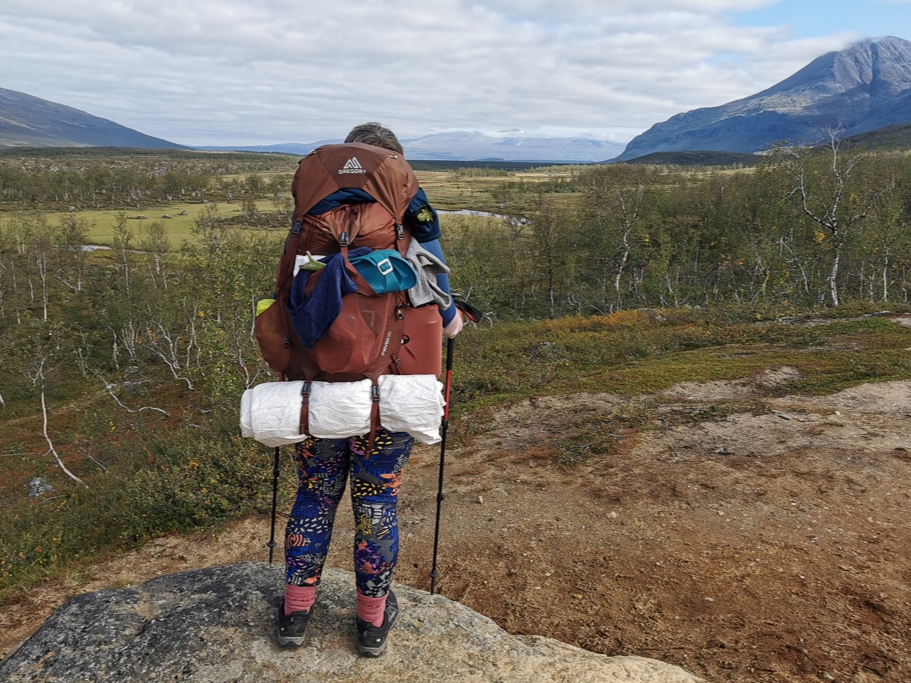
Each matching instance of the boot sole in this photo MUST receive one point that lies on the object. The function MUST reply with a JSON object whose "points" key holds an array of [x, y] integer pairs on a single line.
{"points": [[371, 651], [283, 640]]}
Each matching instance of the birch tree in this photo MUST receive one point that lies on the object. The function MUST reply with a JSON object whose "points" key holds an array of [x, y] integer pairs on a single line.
{"points": [[824, 190]]}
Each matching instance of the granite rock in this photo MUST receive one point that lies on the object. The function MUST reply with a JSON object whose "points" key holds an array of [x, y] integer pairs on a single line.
{"points": [[218, 626]]}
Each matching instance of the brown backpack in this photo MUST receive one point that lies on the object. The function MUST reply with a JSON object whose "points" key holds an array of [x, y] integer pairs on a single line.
{"points": [[366, 339]]}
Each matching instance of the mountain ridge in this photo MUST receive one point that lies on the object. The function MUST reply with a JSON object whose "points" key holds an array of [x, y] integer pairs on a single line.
{"points": [[862, 88], [471, 146], [29, 121]]}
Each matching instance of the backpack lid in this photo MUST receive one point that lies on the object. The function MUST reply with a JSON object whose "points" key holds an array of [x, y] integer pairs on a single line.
{"points": [[381, 173]]}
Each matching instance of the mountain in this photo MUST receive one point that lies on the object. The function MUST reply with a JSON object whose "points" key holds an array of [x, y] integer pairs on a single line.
{"points": [[698, 158], [27, 121], [894, 137], [473, 146], [295, 148], [862, 88]]}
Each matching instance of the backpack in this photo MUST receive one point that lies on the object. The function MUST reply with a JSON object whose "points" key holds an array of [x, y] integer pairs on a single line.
{"points": [[347, 196]]}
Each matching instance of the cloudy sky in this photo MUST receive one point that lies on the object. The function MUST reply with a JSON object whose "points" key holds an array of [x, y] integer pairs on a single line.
{"points": [[207, 72]]}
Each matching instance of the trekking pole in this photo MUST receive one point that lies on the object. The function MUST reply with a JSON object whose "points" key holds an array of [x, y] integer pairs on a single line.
{"points": [[450, 347], [275, 464], [475, 316]]}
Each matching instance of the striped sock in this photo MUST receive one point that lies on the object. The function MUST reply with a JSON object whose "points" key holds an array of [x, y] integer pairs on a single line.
{"points": [[299, 598], [371, 610]]}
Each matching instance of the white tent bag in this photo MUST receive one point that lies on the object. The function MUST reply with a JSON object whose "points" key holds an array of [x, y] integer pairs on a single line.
{"points": [[270, 412]]}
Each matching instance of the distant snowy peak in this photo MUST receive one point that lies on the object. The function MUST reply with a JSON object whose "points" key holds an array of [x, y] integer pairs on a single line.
{"points": [[865, 87], [474, 146]]}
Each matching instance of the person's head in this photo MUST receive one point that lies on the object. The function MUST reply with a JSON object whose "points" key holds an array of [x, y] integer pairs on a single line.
{"points": [[376, 135]]}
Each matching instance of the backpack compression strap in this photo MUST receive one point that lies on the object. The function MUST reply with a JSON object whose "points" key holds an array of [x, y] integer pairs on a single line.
{"points": [[305, 408]]}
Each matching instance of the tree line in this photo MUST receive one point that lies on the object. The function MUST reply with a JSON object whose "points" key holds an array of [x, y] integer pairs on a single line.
{"points": [[73, 319], [806, 227], [117, 181], [125, 366]]}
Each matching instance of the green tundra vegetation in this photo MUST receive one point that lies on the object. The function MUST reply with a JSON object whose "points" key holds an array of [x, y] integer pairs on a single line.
{"points": [[802, 228], [121, 368]]}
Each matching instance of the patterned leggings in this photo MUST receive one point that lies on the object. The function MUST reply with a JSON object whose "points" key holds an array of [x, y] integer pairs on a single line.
{"points": [[323, 467]]}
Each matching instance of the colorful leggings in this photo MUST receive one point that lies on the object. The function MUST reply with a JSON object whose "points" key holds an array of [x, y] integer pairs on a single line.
{"points": [[323, 467]]}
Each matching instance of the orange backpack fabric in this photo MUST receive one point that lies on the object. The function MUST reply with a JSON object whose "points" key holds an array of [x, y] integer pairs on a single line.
{"points": [[366, 339]]}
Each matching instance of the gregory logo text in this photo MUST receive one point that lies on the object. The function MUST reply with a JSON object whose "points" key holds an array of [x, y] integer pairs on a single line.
{"points": [[352, 166]]}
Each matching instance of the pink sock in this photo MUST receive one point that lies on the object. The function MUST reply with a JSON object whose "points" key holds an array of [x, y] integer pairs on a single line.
{"points": [[372, 610], [299, 598]]}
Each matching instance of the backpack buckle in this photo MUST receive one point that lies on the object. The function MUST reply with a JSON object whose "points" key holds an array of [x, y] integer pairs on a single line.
{"points": [[399, 231], [343, 239], [296, 230], [385, 267], [375, 393]]}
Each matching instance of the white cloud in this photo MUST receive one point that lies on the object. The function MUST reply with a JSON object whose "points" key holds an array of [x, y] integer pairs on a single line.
{"points": [[291, 70], [573, 8]]}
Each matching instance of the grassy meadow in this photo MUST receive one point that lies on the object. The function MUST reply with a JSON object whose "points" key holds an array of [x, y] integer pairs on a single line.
{"points": [[179, 226], [448, 190]]}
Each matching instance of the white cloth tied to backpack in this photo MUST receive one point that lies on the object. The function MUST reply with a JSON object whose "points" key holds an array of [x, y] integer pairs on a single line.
{"points": [[426, 291], [270, 412], [413, 404], [339, 409]]}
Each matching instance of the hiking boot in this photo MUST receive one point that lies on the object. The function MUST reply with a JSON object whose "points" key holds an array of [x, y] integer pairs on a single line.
{"points": [[371, 640], [291, 628]]}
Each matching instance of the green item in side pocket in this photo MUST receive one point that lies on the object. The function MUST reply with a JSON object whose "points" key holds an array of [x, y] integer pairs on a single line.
{"points": [[386, 270], [262, 305]]}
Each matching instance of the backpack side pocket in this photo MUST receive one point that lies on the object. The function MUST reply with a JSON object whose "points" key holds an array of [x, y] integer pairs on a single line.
{"points": [[272, 335], [422, 352]]}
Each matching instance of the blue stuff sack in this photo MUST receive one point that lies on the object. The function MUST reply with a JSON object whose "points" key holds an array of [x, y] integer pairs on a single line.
{"points": [[385, 270]]}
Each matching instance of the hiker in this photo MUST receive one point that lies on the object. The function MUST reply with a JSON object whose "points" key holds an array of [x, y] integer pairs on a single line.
{"points": [[376, 473]]}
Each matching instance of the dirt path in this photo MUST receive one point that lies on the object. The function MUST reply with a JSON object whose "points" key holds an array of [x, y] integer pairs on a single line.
{"points": [[766, 547]]}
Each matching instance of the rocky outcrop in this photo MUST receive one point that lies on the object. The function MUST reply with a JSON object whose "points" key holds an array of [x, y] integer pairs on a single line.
{"points": [[862, 88], [217, 626]]}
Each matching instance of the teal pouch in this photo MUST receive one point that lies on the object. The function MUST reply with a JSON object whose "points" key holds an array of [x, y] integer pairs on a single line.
{"points": [[385, 270]]}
